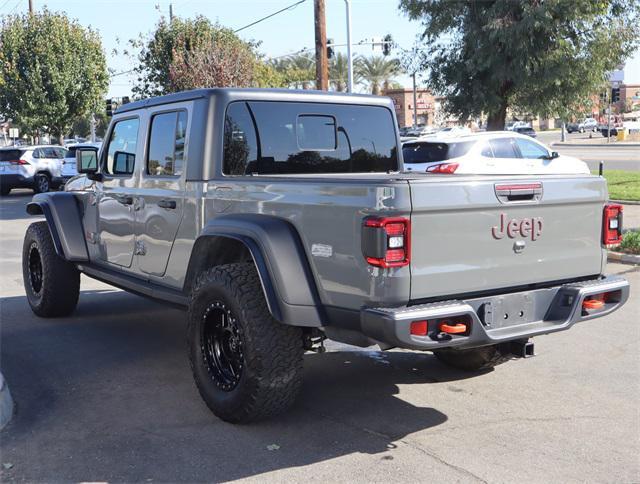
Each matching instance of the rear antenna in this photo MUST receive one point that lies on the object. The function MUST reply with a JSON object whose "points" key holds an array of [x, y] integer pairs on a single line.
{"points": [[601, 168]]}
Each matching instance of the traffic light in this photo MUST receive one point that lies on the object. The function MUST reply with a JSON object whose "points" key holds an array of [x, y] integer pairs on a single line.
{"points": [[109, 106], [615, 95], [329, 48], [386, 46]]}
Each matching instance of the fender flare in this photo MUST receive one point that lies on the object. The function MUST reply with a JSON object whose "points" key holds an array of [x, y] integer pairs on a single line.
{"points": [[278, 254], [62, 213]]}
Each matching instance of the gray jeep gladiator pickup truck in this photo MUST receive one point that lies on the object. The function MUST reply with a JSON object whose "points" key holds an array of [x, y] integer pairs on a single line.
{"points": [[279, 218]]}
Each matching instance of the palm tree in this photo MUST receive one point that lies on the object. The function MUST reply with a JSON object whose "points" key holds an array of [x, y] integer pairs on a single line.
{"points": [[339, 73], [377, 72]]}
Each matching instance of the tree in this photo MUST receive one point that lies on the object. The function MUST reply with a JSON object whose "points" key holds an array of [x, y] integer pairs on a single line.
{"points": [[544, 57], [52, 71], [376, 72], [192, 53], [339, 73]]}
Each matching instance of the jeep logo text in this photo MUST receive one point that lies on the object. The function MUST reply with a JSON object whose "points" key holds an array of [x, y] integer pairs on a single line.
{"points": [[528, 227]]}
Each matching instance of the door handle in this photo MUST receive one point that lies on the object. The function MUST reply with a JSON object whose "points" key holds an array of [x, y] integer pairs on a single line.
{"points": [[170, 204]]}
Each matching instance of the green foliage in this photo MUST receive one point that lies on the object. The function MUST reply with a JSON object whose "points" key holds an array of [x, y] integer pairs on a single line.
{"points": [[376, 72], [623, 185], [52, 71], [298, 71], [192, 53], [631, 242], [543, 57]]}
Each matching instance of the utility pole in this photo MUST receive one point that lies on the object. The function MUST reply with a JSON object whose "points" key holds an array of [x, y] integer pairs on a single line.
{"points": [[31, 7], [171, 12], [415, 101], [322, 63], [349, 57], [609, 116], [93, 128]]}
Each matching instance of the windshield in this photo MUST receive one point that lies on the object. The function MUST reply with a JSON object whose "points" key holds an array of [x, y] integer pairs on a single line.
{"points": [[429, 152]]}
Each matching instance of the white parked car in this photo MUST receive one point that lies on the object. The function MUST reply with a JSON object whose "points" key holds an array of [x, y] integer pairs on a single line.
{"points": [[69, 168], [36, 167], [495, 152]]}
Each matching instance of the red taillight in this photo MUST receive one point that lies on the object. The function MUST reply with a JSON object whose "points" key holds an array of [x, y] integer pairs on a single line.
{"points": [[612, 224], [19, 162], [443, 168], [386, 241], [419, 328]]}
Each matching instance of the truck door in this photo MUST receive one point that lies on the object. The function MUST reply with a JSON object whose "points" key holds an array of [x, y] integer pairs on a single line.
{"points": [[117, 196], [161, 194]]}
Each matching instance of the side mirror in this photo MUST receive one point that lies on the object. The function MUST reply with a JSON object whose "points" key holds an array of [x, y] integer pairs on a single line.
{"points": [[87, 160], [123, 163], [554, 154]]}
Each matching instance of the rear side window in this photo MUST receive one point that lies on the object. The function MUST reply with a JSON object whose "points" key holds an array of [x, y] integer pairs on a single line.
{"points": [[504, 148], [121, 150], [11, 155], [429, 152], [166, 144], [300, 138]]}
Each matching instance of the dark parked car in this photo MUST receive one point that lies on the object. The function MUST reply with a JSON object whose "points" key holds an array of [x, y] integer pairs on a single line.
{"points": [[527, 130]]}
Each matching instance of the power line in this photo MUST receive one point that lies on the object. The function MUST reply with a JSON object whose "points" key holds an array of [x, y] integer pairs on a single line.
{"points": [[15, 7], [293, 5], [4, 4]]}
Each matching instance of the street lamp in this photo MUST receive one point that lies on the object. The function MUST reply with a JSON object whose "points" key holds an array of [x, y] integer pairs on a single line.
{"points": [[349, 58]]}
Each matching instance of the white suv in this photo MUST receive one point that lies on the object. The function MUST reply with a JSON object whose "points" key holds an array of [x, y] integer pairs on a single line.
{"points": [[490, 153], [36, 167]]}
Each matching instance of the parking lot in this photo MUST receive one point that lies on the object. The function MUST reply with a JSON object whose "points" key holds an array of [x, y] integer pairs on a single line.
{"points": [[107, 395]]}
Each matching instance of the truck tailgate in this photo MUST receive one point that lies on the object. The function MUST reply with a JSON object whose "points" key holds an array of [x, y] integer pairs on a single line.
{"points": [[480, 234]]}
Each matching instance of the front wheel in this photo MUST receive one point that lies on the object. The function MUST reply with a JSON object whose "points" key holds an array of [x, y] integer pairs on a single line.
{"points": [[246, 365], [51, 283], [475, 359]]}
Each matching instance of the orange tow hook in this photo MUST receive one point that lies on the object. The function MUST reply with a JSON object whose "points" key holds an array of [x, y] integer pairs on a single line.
{"points": [[593, 304], [453, 328]]}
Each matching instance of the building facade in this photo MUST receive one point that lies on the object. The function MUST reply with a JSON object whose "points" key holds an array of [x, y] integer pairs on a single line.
{"points": [[403, 102]]}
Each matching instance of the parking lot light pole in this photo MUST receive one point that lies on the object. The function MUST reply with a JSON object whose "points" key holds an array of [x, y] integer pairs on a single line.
{"points": [[349, 57]]}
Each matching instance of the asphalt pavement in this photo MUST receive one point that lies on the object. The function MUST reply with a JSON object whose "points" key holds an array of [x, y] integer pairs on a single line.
{"points": [[107, 395], [616, 156]]}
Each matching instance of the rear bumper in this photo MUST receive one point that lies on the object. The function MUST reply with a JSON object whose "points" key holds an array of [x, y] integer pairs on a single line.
{"points": [[495, 319], [15, 180]]}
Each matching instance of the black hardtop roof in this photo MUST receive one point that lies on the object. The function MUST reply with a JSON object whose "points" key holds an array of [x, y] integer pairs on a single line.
{"points": [[243, 94]]}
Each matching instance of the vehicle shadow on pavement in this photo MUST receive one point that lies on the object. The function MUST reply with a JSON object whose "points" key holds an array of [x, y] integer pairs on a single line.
{"points": [[107, 395]]}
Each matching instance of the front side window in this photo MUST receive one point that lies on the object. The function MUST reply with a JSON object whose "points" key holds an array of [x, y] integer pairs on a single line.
{"points": [[266, 137], [530, 149], [503, 148], [166, 144], [121, 150]]}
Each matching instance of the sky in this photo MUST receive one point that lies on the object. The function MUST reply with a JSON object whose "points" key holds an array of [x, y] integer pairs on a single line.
{"points": [[120, 20]]}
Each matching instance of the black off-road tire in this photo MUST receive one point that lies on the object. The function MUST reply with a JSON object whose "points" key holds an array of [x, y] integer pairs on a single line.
{"points": [[41, 183], [475, 359], [51, 283], [268, 355]]}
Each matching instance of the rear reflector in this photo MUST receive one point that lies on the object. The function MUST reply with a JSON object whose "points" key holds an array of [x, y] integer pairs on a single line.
{"points": [[443, 168], [612, 224], [419, 328]]}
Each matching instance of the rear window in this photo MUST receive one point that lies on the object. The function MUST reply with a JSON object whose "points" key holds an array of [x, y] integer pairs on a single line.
{"points": [[11, 155], [429, 152], [297, 138]]}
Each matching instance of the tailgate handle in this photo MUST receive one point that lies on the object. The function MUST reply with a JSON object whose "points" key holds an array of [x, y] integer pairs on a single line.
{"points": [[519, 192]]}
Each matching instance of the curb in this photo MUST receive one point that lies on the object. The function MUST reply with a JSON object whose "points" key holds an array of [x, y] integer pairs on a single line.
{"points": [[620, 144], [6, 403], [623, 258], [626, 202]]}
